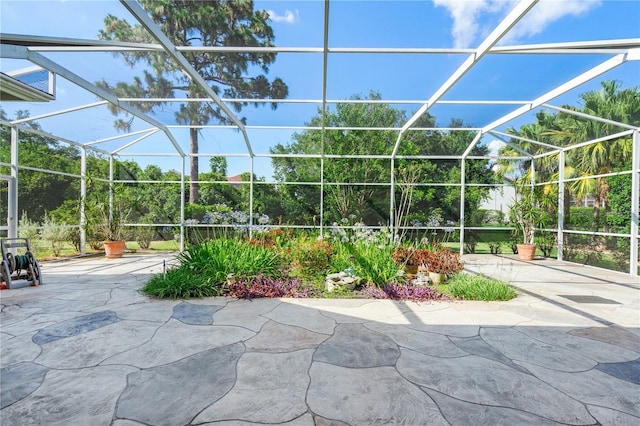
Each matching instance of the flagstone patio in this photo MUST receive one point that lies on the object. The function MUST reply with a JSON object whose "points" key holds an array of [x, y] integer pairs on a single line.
{"points": [[86, 348]]}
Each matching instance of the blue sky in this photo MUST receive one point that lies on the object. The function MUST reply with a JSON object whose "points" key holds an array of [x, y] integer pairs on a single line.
{"points": [[438, 24]]}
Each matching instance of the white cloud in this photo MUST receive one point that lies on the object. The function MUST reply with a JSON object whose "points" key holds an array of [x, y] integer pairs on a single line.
{"points": [[494, 149], [466, 14], [494, 146], [547, 12], [289, 17], [468, 17]]}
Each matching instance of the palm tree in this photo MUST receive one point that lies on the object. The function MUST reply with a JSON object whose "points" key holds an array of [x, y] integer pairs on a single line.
{"points": [[612, 103], [546, 168]]}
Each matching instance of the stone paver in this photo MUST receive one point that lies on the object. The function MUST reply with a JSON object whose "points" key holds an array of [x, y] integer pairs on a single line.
{"points": [[458, 412], [188, 386], [275, 337], [87, 348], [483, 381], [276, 383], [194, 314], [353, 345], [19, 380], [74, 326], [369, 396]]}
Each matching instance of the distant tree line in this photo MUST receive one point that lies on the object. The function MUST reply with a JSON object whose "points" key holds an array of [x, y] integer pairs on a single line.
{"points": [[353, 185]]}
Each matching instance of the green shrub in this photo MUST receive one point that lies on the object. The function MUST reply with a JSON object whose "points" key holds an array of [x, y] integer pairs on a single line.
{"points": [[476, 287], [28, 228], [57, 235], [144, 235], [581, 218], [374, 264], [196, 211], [310, 257]]}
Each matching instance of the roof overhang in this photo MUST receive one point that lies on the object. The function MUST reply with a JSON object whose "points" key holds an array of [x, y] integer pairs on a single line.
{"points": [[12, 89]]}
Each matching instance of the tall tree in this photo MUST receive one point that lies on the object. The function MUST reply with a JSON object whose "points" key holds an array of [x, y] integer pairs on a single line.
{"points": [[614, 103], [230, 74], [371, 202], [611, 102]]}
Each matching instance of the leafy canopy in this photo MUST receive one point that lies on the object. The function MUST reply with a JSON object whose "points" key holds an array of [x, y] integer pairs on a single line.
{"points": [[198, 23]]}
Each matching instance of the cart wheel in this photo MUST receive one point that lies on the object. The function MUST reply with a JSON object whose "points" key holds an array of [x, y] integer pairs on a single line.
{"points": [[6, 275], [35, 267], [11, 262]]}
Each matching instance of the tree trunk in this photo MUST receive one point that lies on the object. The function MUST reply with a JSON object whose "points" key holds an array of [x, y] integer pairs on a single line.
{"points": [[194, 196]]}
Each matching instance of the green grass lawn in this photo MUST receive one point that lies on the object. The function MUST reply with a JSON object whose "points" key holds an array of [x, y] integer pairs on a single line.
{"points": [[43, 251]]}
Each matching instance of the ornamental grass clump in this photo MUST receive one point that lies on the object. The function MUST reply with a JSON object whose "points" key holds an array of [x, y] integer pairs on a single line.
{"points": [[220, 258], [370, 263], [477, 287], [181, 283], [203, 269]]}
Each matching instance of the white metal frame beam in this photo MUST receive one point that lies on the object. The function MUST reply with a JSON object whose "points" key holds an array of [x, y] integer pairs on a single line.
{"points": [[111, 138], [592, 73], [51, 136], [516, 148], [59, 112], [12, 208], [135, 141], [520, 138], [26, 47], [503, 28], [590, 117], [20, 52], [65, 44]]}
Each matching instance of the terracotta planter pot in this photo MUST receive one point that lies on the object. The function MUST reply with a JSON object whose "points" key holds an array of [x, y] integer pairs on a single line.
{"points": [[411, 269], [436, 277], [526, 251], [114, 249]]}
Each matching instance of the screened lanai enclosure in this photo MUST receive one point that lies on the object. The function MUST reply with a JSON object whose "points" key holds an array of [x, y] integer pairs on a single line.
{"points": [[403, 116]]}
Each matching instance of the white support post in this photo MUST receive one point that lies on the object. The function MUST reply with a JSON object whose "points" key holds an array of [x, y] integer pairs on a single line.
{"points": [[533, 187], [111, 187], [322, 195], [561, 165], [635, 204], [251, 201], [462, 189], [83, 197], [392, 200], [182, 195], [325, 61], [12, 219]]}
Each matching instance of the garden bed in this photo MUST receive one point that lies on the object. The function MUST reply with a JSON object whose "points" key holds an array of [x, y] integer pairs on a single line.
{"points": [[281, 263]]}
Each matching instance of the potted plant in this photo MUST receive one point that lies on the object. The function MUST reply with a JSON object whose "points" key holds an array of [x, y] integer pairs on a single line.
{"points": [[108, 212], [442, 263], [410, 258], [403, 256], [526, 215]]}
